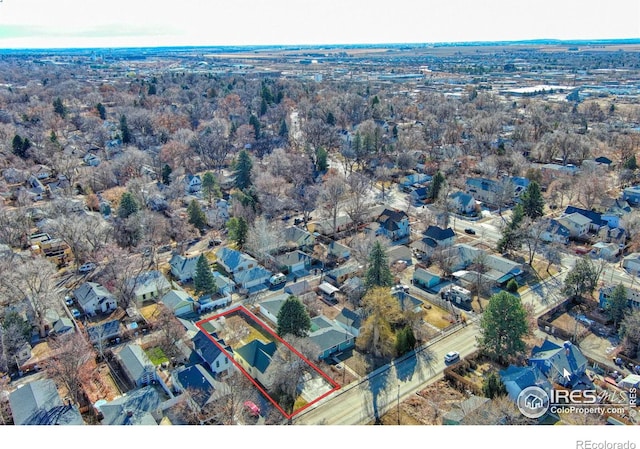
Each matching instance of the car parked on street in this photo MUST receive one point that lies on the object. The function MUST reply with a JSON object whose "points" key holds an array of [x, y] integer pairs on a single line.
{"points": [[86, 267], [452, 356], [470, 231]]}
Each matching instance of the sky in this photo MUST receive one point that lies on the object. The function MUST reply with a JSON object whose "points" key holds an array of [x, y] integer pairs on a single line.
{"points": [[131, 23]]}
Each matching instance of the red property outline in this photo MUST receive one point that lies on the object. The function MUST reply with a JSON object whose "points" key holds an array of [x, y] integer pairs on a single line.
{"points": [[243, 310]]}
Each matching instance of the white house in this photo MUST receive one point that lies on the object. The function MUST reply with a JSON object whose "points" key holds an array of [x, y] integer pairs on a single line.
{"points": [[210, 348], [462, 202], [631, 263], [577, 224], [193, 183], [270, 308], [137, 365], [252, 277], [555, 232], [94, 298], [149, 285]]}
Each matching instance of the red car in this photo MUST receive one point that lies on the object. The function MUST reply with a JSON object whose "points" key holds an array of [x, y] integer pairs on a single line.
{"points": [[252, 408]]}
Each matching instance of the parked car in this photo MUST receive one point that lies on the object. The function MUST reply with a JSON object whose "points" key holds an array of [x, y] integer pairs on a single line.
{"points": [[76, 313], [252, 408], [86, 267], [68, 300], [470, 231], [215, 242], [451, 357]]}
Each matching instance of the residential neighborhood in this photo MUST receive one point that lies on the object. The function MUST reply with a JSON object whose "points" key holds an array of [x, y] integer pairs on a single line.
{"points": [[286, 236]]}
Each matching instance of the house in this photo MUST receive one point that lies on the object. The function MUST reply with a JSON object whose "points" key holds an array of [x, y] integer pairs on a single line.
{"points": [[328, 292], [269, 308], [633, 296], [91, 160], [193, 183], [577, 224], [138, 407], [94, 298], [224, 285], [555, 232], [234, 261], [497, 269], [496, 192], [136, 365], [414, 180], [564, 365], [254, 278], [631, 263], [62, 325], [606, 251], [298, 288], [462, 202], [208, 303], [615, 212], [425, 279], [213, 357], [103, 332], [434, 237], [350, 320], [419, 195], [632, 195], [255, 357], [406, 301], [339, 275], [595, 219], [39, 403], [517, 378], [294, 262], [329, 337], [393, 224], [179, 302], [183, 268], [198, 381], [297, 238], [149, 285], [338, 251]]}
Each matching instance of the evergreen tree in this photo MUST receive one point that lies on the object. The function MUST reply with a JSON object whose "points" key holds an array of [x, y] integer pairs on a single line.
{"points": [[196, 215], [532, 201], [284, 130], [125, 133], [58, 107], [243, 169], [617, 305], [102, 111], [582, 279], [128, 205], [210, 187], [512, 235], [503, 326], [20, 146], [492, 386], [293, 318], [263, 107], [321, 159], [152, 89], [166, 174], [436, 185], [238, 231], [378, 273], [253, 121], [203, 281], [405, 341], [331, 119], [631, 163]]}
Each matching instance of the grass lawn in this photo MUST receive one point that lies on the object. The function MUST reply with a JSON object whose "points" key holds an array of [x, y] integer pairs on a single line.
{"points": [[156, 355], [437, 317], [149, 312]]}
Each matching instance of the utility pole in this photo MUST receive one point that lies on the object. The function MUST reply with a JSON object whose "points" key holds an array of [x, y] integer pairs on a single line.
{"points": [[398, 404]]}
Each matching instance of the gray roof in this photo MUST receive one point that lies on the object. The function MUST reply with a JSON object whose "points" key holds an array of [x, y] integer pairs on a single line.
{"points": [[183, 266], [133, 409], [104, 331], [38, 403], [349, 318], [90, 291], [274, 305], [135, 360]]}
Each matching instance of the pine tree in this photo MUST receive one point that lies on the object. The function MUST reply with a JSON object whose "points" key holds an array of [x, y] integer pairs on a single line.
{"points": [[532, 201], [238, 230], [166, 174], [617, 305], [20, 146], [210, 187], [128, 205], [102, 111], [293, 318], [321, 159], [203, 281], [436, 184], [253, 121], [378, 273], [58, 107], [243, 169], [124, 130], [197, 216], [405, 340], [503, 326]]}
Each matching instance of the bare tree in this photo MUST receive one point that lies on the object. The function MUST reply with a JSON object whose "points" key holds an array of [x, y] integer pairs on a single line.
{"points": [[169, 329], [68, 364], [356, 205], [228, 402], [333, 189]]}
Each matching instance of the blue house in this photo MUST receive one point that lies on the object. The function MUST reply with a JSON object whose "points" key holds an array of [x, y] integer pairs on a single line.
{"points": [[235, 261], [517, 378], [632, 195], [564, 365], [329, 337], [198, 380], [255, 357], [425, 279], [254, 278], [393, 224]]}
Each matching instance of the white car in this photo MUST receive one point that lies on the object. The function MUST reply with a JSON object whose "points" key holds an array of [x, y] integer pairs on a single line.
{"points": [[451, 357], [86, 267]]}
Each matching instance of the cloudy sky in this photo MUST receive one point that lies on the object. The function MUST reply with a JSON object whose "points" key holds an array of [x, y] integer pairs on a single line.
{"points": [[116, 23]]}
